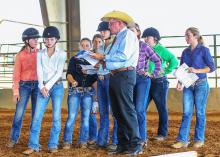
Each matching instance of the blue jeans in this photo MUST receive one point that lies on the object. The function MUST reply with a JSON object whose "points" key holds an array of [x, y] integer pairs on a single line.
{"points": [[194, 96], [141, 92], [104, 105], [26, 89], [84, 99], [93, 127], [158, 92], [56, 93]]}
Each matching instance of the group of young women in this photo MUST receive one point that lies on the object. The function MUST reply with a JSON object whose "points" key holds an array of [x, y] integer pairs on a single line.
{"points": [[38, 73]]}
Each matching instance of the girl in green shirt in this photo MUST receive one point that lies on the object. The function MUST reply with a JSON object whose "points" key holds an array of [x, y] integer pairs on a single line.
{"points": [[159, 85]]}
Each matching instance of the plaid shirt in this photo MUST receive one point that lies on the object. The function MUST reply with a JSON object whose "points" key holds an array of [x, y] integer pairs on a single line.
{"points": [[147, 54]]}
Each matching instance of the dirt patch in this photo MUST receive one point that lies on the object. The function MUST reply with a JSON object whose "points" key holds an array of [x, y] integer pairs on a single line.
{"points": [[211, 148]]}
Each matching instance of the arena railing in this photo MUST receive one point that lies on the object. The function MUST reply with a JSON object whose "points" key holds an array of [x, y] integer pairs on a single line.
{"points": [[175, 44]]}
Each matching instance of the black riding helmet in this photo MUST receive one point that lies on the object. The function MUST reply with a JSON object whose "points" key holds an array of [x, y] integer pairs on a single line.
{"points": [[30, 33], [51, 31], [151, 32], [103, 26]]}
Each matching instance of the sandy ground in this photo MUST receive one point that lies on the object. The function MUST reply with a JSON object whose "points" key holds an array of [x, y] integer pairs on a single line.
{"points": [[211, 148]]}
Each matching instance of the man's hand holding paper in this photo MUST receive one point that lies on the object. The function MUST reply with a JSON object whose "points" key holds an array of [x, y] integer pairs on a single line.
{"points": [[87, 56]]}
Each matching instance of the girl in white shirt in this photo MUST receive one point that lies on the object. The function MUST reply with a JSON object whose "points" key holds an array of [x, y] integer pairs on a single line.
{"points": [[50, 64]]}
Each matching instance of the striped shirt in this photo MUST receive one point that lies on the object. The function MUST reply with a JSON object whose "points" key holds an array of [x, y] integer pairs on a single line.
{"points": [[145, 56]]}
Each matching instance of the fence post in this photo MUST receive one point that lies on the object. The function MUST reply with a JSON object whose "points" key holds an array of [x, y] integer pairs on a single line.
{"points": [[215, 60]]}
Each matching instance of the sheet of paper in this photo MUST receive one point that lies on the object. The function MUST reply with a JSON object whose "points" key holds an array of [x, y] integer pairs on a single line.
{"points": [[186, 78], [86, 56], [89, 69]]}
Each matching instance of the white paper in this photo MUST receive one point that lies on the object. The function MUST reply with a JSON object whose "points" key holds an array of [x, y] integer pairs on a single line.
{"points": [[186, 78], [87, 57], [89, 69]]}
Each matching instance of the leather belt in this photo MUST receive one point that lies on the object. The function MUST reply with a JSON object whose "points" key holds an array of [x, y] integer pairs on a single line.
{"points": [[199, 81], [157, 77], [122, 69], [82, 89]]}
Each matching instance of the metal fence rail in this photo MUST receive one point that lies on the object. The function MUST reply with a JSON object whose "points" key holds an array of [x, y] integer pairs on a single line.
{"points": [[175, 44]]}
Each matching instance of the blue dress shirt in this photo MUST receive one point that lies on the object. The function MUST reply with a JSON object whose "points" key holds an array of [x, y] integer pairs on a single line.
{"points": [[124, 52]]}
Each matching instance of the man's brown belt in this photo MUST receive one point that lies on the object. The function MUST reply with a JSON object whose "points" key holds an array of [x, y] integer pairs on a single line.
{"points": [[122, 69]]}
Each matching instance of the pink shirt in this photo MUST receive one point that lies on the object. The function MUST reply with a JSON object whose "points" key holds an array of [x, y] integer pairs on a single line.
{"points": [[25, 68]]}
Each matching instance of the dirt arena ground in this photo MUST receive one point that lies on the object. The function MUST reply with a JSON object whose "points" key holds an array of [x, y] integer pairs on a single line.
{"points": [[211, 148]]}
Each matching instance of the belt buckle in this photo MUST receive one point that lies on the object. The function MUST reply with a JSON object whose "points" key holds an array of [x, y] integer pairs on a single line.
{"points": [[80, 89], [88, 89]]}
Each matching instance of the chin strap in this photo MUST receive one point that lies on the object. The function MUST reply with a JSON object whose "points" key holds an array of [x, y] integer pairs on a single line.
{"points": [[31, 48], [108, 38], [52, 45]]}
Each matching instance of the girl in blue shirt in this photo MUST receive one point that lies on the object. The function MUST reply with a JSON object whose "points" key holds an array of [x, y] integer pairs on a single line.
{"points": [[200, 62]]}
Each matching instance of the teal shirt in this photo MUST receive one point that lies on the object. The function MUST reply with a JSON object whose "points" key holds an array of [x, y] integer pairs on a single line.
{"points": [[169, 61]]}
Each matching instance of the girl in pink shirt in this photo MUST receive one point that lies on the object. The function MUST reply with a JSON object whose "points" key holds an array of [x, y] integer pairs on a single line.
{"points": [[25, 82]]}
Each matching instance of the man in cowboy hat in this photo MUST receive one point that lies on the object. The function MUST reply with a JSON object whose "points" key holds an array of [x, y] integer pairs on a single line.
{"points": [[121, 59]]}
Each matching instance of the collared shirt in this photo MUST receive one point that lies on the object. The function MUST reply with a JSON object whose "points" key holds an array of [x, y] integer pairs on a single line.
{"points": [[147, 54], [25, 68], [198, 58], [169, 61], [104, 49], [50, 69], [124, 52], [74, 69]]}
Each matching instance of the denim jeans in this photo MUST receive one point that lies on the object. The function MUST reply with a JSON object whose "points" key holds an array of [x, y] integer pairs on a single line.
{"points": [[93, 127], [26, 89], [141, 92], [194, 96], [158, 92], [104, 107], [56, 94], [84, 99]]}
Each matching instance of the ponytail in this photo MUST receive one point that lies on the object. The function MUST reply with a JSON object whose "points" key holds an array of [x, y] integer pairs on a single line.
{"points": [[200, 40], [23, 47]]}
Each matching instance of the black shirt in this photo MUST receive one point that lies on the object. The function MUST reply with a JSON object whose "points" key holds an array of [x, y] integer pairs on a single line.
{"points": [[74, 69]]}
